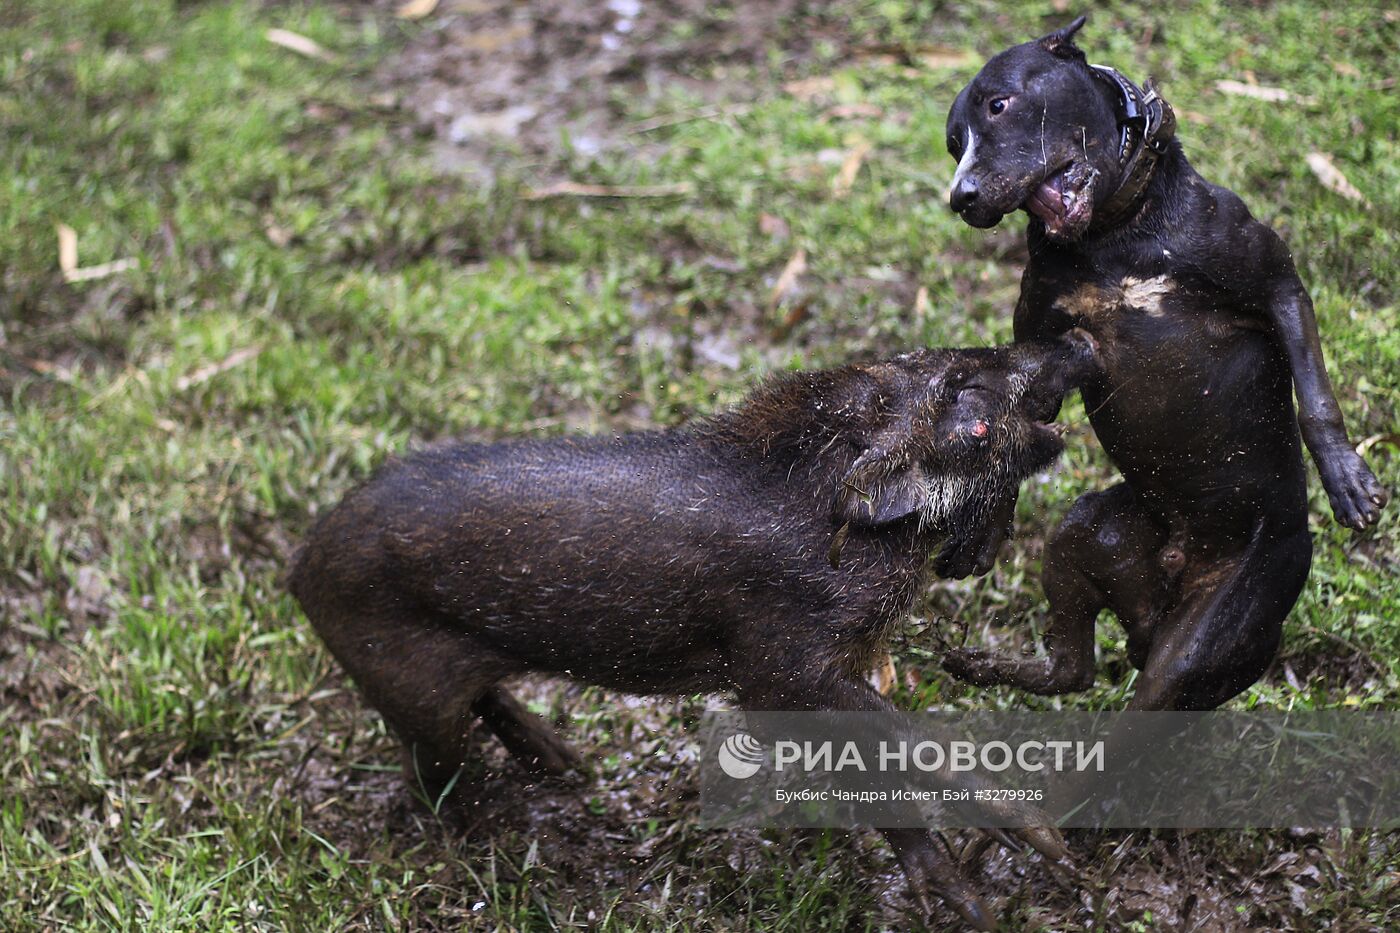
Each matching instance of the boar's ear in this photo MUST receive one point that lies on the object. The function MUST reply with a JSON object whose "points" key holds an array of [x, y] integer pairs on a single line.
{"points": [[874, 493], [1060, 43]]}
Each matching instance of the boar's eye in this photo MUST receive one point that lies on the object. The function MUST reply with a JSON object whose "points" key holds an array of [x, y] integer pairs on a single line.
{"points": [[974, 384]]}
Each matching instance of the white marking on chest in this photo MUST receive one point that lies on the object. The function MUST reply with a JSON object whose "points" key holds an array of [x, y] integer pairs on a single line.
{"points": [[1090, 301], [1146, 294]]}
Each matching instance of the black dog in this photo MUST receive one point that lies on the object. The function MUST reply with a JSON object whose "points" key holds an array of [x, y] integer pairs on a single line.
{"points": [[769, 550], [1203, 323]]}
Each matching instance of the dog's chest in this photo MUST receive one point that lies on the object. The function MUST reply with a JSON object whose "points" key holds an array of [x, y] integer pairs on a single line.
{"points": [[1178, 359], [1145, 317]]}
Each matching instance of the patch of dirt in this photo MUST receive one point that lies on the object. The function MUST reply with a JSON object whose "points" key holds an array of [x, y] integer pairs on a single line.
{"points": [[1334, 665], [58, 332], [33, 667], [492, 80]]}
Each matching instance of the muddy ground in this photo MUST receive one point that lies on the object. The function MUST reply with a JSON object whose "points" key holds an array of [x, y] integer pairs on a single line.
{"points": [[523, 85]]}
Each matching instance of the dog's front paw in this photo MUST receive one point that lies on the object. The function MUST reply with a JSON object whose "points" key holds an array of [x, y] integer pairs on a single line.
{"points": [[1356, 495]]}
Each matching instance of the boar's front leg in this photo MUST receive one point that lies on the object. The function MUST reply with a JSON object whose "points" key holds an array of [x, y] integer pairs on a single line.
{"points": [[804, 684]]}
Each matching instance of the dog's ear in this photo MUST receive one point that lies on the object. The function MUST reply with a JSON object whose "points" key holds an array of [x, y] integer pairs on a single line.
{"points": [[880, 487], [1060, 43]]}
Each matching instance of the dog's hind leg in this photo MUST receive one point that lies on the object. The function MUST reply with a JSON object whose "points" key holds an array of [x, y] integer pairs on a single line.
{"points": [[1214, 643], [1224, 633], [1106, 554]]}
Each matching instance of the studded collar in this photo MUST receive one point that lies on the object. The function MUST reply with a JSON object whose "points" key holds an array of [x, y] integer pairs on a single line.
{"points": [[1147, 124]]}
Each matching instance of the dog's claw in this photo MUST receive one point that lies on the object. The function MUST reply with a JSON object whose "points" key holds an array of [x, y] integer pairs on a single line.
{"points": [[975, 849], [1003, 838], [976, 914], [968, 906], [1356, 496], [929, 876]]}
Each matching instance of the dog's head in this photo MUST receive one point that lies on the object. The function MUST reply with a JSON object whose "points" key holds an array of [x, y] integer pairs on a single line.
{"points": [[1036, 130]]}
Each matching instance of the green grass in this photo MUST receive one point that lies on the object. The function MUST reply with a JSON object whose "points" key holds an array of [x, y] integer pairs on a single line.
{"points": [[177, 752]]}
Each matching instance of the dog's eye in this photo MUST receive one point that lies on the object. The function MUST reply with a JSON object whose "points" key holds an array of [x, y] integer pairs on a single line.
{"points": [[997, 105], [954, 147]]}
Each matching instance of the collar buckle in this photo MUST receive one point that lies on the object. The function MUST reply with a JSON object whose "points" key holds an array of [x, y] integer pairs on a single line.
{"points": [[1147, 124]]}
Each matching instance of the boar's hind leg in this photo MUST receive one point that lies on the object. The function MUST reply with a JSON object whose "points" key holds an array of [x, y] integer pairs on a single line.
{"points": [[529, 738], [430, 683], [422, 677]]}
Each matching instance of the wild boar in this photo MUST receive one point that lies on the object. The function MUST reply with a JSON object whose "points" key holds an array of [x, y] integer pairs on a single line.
{"points": [[769, 551]]}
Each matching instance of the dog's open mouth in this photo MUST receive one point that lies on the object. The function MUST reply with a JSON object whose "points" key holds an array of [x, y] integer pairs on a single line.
{"points": [[1064, 201]]}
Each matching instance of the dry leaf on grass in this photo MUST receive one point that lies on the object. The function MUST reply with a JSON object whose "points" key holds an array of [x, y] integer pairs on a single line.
{"points": [[101, 270], [804, 171], [853, 111], [691, 116], [1332, 178], [850, 167], [808, 88], [68, 260], [205, 373], [416, 9], [1263, 92], [938, 56], [300, 44], [51, 369], [787, 279], [573, 189], [921, 303], [67, 250], [491, 40], [927, 55], [1391, 440], [795, 315], [771, 225], [278, 235]]}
